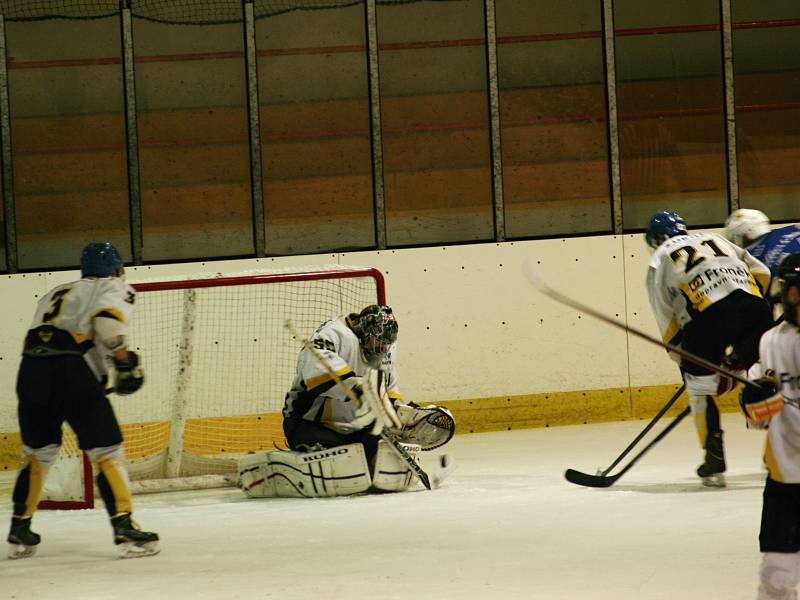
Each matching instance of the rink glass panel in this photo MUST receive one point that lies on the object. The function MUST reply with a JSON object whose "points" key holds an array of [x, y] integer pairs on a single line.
{"points": [[434, 107], [767, 74], [193, 145], [553, 118], [670, 97], [315, 128], [68, 139]]}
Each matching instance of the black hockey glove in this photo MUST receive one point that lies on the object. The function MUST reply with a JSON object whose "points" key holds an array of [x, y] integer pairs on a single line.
{"points": [[130, 375], [760, 404]]}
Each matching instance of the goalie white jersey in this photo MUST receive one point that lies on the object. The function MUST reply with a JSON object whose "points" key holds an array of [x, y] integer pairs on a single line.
{"points": [[63, 321], [314, 394], [689, 273], [779, 350]]}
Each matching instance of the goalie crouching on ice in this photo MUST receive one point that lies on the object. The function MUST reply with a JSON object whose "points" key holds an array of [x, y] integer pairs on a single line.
{"points": [[344, 396]]}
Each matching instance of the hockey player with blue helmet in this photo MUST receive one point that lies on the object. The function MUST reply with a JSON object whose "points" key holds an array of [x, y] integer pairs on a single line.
{"points": [[76, 342], [707, 296]]}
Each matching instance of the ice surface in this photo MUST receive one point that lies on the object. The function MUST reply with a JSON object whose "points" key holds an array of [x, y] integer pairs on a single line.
{"points": [[506, 525]]}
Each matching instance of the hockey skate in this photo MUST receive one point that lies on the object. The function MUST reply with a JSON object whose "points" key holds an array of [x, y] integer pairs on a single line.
{"points": [[22, 541], [132, 541], [712, 471]]}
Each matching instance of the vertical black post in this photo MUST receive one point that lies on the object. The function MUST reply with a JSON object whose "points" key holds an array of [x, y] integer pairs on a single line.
{"points": [[9, 210], [612, 128], [726, 27], [495, 146], [254, 130], [376, 127], [131, 133]]}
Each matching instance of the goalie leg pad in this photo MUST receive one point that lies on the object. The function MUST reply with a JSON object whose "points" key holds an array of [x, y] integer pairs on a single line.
{"points": [[391, 474], [254, 476], [430, 426], [338, 471]]}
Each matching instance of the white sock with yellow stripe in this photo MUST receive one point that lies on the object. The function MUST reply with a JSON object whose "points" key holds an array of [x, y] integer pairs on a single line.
{"points": [[30, 478], [112, 479]]}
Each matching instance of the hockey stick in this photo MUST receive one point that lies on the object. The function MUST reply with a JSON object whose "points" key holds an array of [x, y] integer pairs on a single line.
{"points": [[539, 284], [370, 397], [604, 480], [649, 426]]}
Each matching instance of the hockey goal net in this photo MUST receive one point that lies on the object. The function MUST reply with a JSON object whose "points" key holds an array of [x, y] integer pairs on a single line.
{"points": [[218, 361]]}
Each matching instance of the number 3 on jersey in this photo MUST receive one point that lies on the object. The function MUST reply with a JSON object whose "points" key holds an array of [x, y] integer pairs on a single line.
{"points": [[55, 305], [694, 255]]}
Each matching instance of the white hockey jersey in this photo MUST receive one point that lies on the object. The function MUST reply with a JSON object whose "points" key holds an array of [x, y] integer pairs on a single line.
{"points": [[779, 350], [63, 321], [689, 273], [315, 396]]}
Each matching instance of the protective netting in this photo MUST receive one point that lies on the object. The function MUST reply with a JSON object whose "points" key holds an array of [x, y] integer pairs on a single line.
{"points": [[185, 12], [218, 361]]}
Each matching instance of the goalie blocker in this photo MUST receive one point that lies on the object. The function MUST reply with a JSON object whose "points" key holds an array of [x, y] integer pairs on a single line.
{"points": [[338, 471]]}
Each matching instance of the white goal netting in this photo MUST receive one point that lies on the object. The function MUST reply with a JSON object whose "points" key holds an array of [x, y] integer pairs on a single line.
{"points": [[218, 361]]}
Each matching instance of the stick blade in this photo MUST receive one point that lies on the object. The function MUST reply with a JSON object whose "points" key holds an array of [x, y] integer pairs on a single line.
{"points": [[423, 477], [586, 480]]}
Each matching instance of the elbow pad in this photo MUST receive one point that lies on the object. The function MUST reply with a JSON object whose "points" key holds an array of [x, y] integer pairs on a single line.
{"points": [[109, 332]]}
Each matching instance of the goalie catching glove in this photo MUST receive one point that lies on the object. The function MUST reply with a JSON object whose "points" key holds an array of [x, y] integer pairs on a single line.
{"points": [[760, 404], [429, 426], [129, 375]]}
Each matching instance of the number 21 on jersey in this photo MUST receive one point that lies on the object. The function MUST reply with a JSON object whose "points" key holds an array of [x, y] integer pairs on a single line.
{"points": [[696, 254]]}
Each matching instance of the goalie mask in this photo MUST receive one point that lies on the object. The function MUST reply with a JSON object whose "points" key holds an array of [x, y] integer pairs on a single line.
{"points": [[376, 329], [789, 277]]}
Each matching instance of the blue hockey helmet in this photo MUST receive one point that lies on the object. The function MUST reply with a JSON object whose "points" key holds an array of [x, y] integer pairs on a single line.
{"points": [[664, 224], [376, 329], [101, 259]]}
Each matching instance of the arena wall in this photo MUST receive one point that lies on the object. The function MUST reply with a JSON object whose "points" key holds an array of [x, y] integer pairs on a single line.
{"points": [[474, 334]]}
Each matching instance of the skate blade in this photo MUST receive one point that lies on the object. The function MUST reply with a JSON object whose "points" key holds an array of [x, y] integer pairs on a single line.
{"points": [[717, 480], [16, 551], [133, 550]]}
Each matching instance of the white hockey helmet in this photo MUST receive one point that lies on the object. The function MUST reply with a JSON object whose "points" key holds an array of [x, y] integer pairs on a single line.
{"points": [[746, 225]]}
